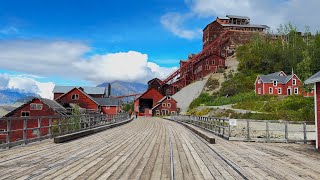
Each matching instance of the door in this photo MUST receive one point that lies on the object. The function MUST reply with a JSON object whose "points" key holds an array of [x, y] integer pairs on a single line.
{"points": [[289, 91]]}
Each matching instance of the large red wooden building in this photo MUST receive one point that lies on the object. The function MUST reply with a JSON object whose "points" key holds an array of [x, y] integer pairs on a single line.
{"points": [[103, 105], [315, 79], [31, 112], [220, 39], [165, 107]]}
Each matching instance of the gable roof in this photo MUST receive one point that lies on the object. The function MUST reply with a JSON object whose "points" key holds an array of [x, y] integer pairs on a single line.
{"points": [[161, 100], [313, 79], [50, 103], [238, 17], [270, 79], [107, 101], [80, 91], [147, 92], [86, 89]]}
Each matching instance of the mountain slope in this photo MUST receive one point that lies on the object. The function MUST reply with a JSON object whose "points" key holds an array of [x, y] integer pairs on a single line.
{"points": [[119, 88], [10, 96]]}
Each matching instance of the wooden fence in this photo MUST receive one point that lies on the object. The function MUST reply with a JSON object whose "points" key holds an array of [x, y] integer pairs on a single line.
{"points": [[254, 130], [23, 130]]}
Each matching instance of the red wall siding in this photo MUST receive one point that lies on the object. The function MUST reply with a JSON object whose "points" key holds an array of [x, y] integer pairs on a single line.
{"points": [[170, 109], [259, 86], [152, 94], [18, 123], [111, 110], [56, 95], [83, 101]]}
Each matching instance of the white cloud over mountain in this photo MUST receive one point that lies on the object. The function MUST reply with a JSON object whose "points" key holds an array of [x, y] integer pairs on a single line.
{"points": [[269, 12], [69, 60]]}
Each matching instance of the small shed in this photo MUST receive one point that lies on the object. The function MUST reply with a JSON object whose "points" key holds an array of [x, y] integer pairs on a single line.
{"points": [[315, 79]]}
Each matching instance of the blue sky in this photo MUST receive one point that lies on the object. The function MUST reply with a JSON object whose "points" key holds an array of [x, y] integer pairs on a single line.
{"points": [[82, 42]]}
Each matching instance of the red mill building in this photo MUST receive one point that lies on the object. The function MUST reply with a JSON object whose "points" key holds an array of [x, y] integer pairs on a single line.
{"points": [[220, 38]]}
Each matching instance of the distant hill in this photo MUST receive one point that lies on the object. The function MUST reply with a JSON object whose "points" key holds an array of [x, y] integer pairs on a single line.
{"points": [[119, 88], [10, 96]]}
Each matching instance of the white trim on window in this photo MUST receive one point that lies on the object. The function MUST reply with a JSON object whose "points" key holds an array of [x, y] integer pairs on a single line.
{"points": [[294, 82], [36, 106], [75, 96], [275, 83], [164, 105], [259, 90], [25, 113], [296, 90], [169, 105], [270, 90], [168, 97], [279, 90]]}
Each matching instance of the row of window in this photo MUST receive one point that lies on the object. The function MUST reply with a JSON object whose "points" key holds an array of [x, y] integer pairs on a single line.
{"points": [[296, 90], [275, 83], [164, 112], [166, 105]]}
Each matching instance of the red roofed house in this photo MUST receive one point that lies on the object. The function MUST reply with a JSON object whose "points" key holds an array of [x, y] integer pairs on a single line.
{"points": [[147, 101], [279, 84], [34, 108], [315, 79], [166, 106], [85, 101]]}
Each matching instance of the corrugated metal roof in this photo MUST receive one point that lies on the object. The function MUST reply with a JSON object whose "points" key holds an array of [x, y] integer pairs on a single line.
{"points": [[86, 89], [238, 17], [248, 25], [107, 101], [271, 78], [54, 105], [313, 79], [223, 18]]}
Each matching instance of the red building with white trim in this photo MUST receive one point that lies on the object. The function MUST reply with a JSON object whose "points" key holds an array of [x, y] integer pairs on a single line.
{"points": [[166, 106], [315, 79], [31, 111], [147, 101], [279, 83]]}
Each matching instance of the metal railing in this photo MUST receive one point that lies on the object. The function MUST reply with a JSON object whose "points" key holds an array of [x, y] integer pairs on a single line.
{"points": [[23, 130], [254, 130]]}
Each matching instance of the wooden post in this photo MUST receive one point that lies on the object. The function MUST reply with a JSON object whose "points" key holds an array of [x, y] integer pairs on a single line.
{"points": [[223, 121], [67, 123], [248, 130], [267, 132], [39, 128], [229, 130], [25, 126], [50, 127], [286, 131], [59, 125], [8, 133], [305, 132]]}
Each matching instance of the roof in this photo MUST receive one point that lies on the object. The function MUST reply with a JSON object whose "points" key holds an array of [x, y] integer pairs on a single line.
{"points": [[81, 92], [154, 79], [270, 79], [313, 79], [223, 18], [275, 74], [107, 101], [247, 25], [238, 17], [50, 103], [86, 89]]}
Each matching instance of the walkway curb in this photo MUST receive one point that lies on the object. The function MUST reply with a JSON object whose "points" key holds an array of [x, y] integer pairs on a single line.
{"points": [[201, 133], [76, 135]]}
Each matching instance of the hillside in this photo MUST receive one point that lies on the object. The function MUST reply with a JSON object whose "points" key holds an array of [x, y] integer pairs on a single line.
{"points": [[10, 96], [119, 88]]}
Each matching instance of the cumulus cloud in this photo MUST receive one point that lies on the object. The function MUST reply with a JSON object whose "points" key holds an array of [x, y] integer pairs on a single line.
{"points": [[174, 23], [26, 84], [272, 12], [70, 60]]}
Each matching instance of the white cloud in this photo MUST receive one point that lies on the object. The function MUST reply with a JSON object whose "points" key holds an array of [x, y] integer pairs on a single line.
{"points": [[272, 12], [9, 30], [69, 60], [174, 23]]}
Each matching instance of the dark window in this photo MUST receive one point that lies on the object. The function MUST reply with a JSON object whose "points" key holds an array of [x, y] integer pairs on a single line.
{"points": [[75, 96], [25, 113], [35, 106]]}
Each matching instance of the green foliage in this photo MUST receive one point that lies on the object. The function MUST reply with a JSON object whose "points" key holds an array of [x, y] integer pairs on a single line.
{"points": [[204, 98], [238, 83], [212, 84], [71, 123], [128, 107]]}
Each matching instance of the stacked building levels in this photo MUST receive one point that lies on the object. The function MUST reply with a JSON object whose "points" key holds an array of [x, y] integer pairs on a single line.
{"points": [[220, 39]]}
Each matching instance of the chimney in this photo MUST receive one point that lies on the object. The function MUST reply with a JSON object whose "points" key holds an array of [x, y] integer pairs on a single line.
{"points": [[109, 90]]}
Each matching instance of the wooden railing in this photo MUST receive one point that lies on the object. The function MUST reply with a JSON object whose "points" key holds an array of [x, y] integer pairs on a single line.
{"points": [[23, 130], [254, 130]]}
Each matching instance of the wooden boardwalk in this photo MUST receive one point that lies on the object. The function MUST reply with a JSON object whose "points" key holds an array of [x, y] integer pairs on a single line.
{"points": [[141, 150]]}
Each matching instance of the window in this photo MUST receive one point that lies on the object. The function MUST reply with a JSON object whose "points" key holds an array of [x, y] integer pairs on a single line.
{"points": [[270, 90], [168, 105], [207, 67], [275, 83], [107, 107], [279, 91], [25, 113], [35, 106], [75, 96], [294, 81], [259, 91], [296, 90], [259, 81], [169, 97], [213, 62], [164, 104], [157, 112], [173, 112], [207, 62]]}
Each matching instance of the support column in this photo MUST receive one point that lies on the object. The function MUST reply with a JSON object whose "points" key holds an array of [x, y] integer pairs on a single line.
{"points": [[317, 110]]}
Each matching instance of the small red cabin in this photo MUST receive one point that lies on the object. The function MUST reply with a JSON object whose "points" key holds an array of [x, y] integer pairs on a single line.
{"points": [[279, 84], [147, 101], [165, 107], [315, 79], [30, 111]]}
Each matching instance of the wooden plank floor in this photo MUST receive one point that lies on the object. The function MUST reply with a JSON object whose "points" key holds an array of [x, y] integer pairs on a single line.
{"points": [[141, 150]]}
